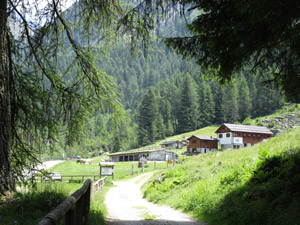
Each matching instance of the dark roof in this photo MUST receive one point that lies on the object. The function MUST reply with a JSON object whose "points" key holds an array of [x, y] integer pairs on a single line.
{"points": [[168, 142], [247, 128], [204, 138], [135, 152]]}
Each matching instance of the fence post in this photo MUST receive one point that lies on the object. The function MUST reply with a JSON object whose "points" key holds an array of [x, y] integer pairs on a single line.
{"points": [[69, 217], [87, 201], [132, 168], [154, 165], [142, 166]]}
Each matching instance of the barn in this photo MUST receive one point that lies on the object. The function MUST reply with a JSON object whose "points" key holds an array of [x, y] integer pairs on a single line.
{"points": [[151, 155]]}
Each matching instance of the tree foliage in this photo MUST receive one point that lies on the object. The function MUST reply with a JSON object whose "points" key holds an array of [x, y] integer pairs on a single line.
{"points": [[40, 90], [228, 36]]}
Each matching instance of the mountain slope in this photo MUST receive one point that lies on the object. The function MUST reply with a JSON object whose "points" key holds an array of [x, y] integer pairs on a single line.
{"points": [[237, 186]]}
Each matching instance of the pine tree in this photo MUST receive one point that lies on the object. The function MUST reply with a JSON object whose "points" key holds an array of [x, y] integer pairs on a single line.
{"points": [[187, 118], [220, 112], [166, 114], [244, 101], [231, 105], [146, 119], [206, 105]]}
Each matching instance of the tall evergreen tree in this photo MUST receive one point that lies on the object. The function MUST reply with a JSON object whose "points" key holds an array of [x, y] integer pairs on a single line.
{"points": [[244, 101], [206, 105], [231, 104], [220, 108], [166, 114], [146, 119], [187, 117]]}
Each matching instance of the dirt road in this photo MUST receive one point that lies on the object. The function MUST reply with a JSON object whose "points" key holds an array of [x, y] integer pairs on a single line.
{"points": [[126, 206], [49, 164]]}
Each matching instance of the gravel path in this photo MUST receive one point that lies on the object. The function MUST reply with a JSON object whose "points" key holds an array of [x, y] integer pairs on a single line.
{"points": [[126, 206], [49, 164]]}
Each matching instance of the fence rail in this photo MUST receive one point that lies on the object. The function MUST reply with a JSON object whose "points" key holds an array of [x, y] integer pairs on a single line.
{"points": [[97, 186], [42, 178], [75, 209]]}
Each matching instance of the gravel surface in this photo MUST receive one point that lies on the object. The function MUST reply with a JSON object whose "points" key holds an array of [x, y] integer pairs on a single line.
{"points": [[126, 206], [49, 164]]}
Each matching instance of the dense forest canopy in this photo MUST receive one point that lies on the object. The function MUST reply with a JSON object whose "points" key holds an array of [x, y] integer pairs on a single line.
{"points": [[229, 36]]}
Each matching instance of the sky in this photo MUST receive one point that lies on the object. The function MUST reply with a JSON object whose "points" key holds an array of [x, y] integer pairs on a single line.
{"points": [[29, 8]]}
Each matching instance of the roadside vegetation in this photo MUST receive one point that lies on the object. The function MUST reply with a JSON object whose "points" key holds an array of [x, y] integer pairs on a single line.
{"points": [[30, 204], [256, 185]]}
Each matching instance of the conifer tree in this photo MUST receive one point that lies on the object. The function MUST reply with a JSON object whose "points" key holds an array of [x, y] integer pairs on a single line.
{"points": [[146, 119], [231, 105], [220, 113], [244, 101], [206, 105], [187, 116]]}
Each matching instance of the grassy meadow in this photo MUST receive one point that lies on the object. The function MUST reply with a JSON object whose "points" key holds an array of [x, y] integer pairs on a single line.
{"points": [[30, 204], [256, 185]]}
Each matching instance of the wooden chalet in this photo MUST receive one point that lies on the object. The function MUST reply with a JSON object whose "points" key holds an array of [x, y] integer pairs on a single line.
{"points": [[238, 136], [201, 144]]}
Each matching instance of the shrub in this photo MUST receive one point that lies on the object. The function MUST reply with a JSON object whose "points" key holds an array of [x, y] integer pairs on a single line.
{"points": [[259, 123], [271, 124], [247, 121]]}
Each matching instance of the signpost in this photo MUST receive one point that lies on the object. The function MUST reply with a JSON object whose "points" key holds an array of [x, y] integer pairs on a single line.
{"points": [[107, 169]]}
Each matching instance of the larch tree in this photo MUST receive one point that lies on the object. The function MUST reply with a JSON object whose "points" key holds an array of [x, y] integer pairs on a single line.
{"points": [[41, 92]]}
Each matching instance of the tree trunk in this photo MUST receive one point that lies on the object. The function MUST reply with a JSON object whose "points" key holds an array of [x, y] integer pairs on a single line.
{"points": [[5, 112]]}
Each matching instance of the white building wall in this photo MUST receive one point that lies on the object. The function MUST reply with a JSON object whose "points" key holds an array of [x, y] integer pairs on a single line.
{"points": [[225, 140]]}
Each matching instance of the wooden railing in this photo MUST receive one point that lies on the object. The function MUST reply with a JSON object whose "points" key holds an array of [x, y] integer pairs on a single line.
{"points": [[42, 178], [97, 186], [75, 209]]}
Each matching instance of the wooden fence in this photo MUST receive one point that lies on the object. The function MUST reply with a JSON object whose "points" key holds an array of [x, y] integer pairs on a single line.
{"points": [[42, 178], [75, 209]]}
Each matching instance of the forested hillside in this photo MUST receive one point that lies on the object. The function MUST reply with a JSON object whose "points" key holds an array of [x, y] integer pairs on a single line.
{"points": [[165, 95]]}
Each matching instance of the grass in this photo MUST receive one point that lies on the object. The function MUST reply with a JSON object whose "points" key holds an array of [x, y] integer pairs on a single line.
{"points": [[237, 186], [25, 208], [28, 207]]}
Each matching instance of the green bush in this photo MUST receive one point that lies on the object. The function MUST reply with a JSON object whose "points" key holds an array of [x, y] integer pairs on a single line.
{"points": [[247, 121], [271, 124], [259, 123]]}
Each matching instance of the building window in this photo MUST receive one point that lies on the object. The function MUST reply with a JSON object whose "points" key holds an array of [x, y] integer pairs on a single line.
{"points": [[194, 141], [228, 135], [245, 134], [258, 135], [220, 135]]}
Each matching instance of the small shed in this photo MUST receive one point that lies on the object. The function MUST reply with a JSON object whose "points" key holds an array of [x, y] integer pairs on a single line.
{"points": [[171, 144]]}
